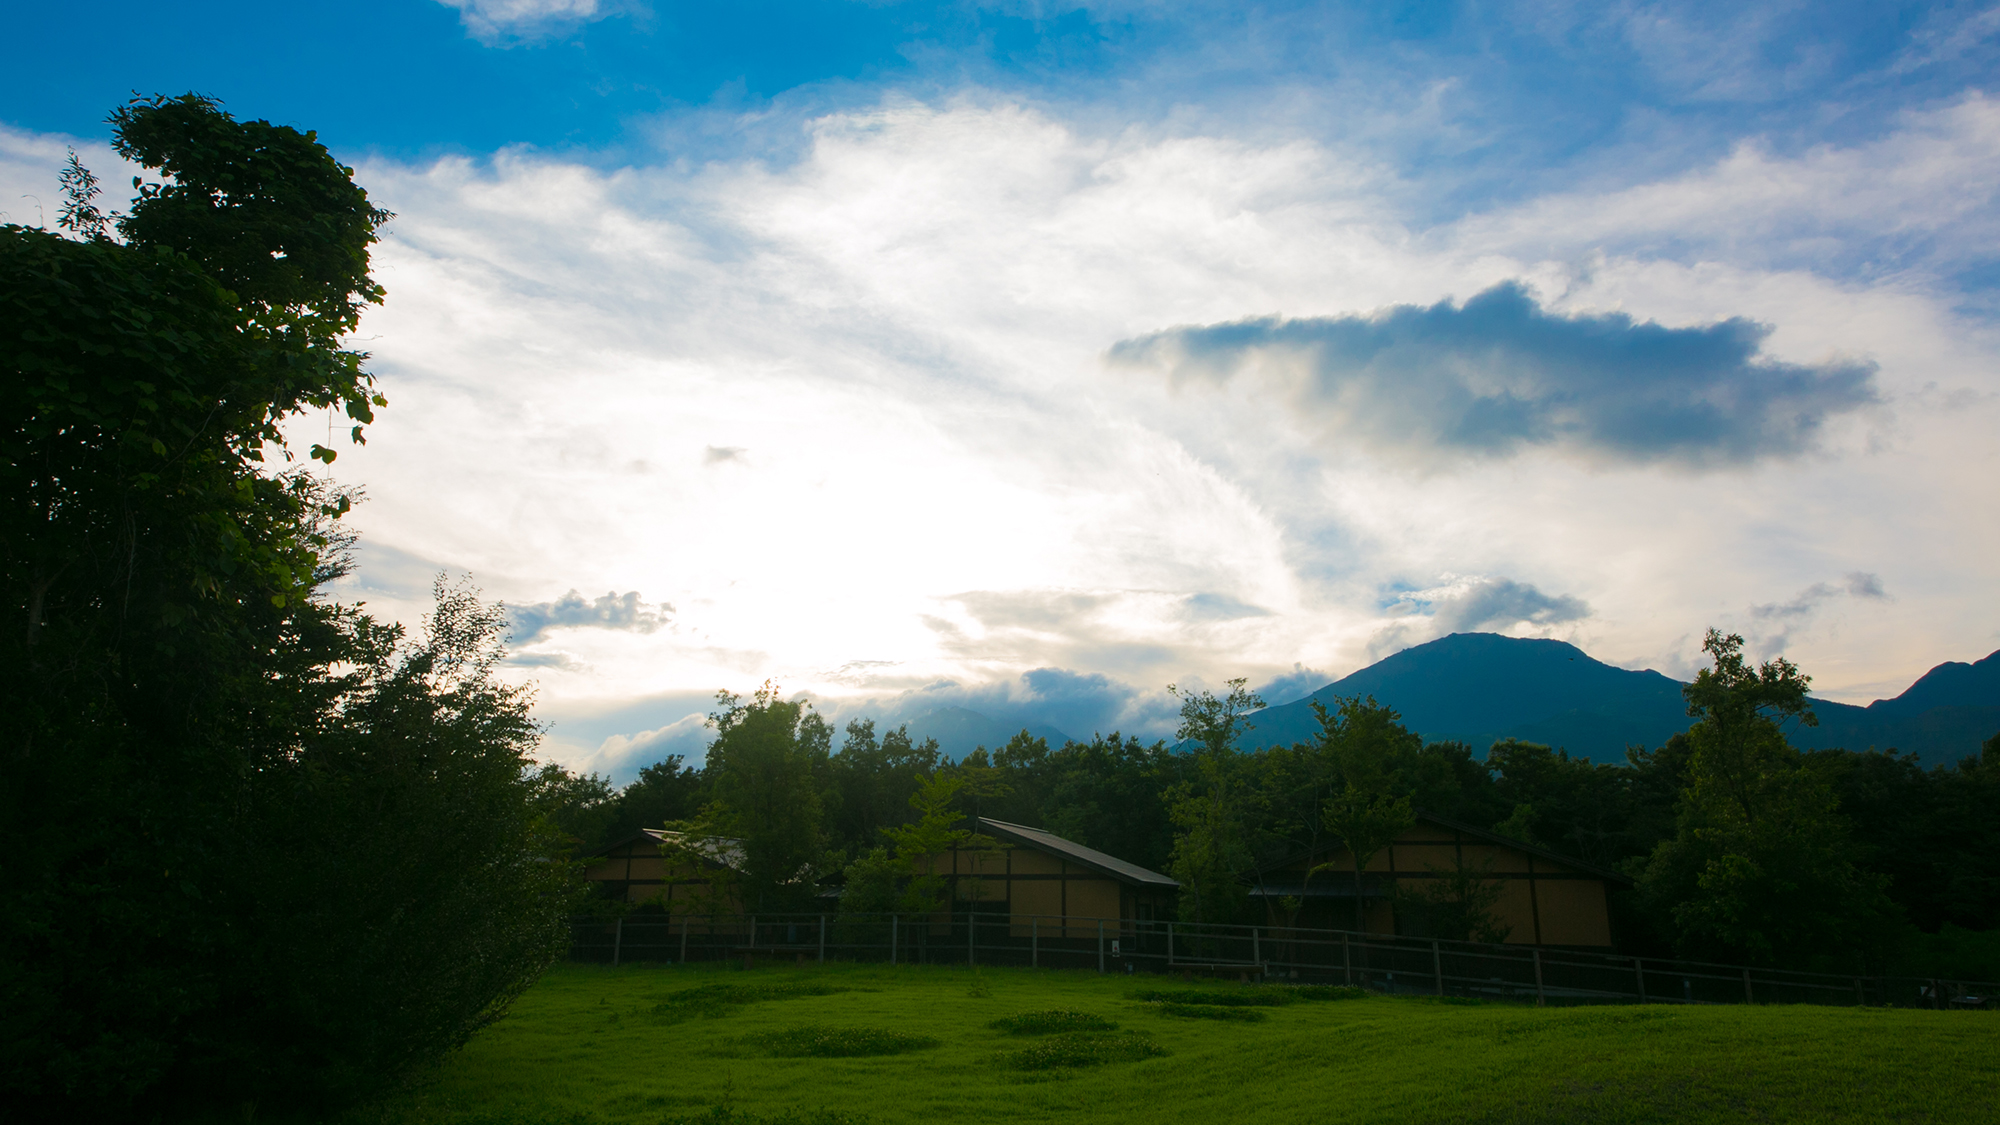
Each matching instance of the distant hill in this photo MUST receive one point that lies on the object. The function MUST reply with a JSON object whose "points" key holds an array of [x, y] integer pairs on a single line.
{"points": [[960, 731], [1478, 688]]}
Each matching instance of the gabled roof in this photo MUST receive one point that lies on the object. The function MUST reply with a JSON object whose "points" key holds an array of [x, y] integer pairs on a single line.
{"points": [[1073, 852], [720, 851]]}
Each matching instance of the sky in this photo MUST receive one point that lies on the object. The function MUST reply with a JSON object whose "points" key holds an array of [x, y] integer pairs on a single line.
{"points": [[1030, 358]]}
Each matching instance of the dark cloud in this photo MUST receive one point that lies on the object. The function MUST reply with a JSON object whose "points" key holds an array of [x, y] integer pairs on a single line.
{"points": [[1503, 602], [1857, 584], [560, 661], [716, 454], [1079, 704], [612, 611], [1294, 685], [1219, 607], [1498, 374], [1044, 610]]}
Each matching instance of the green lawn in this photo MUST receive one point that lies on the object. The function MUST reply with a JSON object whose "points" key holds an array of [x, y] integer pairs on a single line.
{"points": [[915, 1044]]}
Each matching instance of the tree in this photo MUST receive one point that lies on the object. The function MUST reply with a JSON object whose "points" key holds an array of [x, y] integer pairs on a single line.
{"points": [[762, 769], [1761, 866], [936, 832], [871, 780], [1456, 903], [229, 801], [1362, 741], [667, 790], [1210, 853]]}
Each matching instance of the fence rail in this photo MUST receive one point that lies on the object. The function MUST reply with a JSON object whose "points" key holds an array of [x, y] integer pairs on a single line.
{"points": [[1381, 962]]}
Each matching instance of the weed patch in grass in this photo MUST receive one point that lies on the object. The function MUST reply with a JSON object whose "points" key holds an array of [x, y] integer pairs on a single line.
{"points": [[1207, 1011], [713, 1001], [1052, 1021], [1324, 992], [1243, 998], [724, 1115], [840, 1042], [1076, 1049]]}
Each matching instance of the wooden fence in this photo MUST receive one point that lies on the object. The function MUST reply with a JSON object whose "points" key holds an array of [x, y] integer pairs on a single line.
{"points": [[1381, 962]]}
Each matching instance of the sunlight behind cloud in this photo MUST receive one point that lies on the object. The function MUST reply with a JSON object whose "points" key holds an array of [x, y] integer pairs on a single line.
{"points": [[841, 413]]}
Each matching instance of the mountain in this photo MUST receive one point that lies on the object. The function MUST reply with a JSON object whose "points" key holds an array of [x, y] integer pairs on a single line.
{"points": [[960, 731], [1478, 688]]}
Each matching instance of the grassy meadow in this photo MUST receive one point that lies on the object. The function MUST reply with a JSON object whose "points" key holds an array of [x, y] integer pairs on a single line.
{"points": [[875, 1044]]}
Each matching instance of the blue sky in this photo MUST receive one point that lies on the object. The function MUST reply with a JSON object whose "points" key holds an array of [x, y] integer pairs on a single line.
{"points": [[1029, 357]]}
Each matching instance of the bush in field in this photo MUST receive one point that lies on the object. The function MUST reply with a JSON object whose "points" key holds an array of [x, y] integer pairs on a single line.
{"points": [[713, 1001], [1084, 1048], [1052, 1021], [1208, 1012], [840, 1042], [728, 1115]]}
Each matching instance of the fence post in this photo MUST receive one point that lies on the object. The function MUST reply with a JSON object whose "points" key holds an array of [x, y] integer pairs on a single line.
{"points": [[1539, 1000], [1257, 950], [1170, 945], [684, 939], [1748, 996], [1346, 960], [1860, 1001], [971, 928], [1639, 971], [1100, 947], [617, 939], [1034, 943], [1437, 968], [753, 931], [894, 920], [822, 939]]}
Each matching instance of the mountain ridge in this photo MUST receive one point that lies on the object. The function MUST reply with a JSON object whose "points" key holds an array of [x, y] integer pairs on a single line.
{"points": [[1479, 688]]}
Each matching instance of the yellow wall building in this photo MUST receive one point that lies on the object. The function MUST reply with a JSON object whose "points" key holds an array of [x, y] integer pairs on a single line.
{"points": [[1036, 877], [1545, 898]]}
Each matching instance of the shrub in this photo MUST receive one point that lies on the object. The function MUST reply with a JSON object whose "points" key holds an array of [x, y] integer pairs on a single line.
{"points": [[1052, 1021], [727, 1115], [712, 1001], [840, 1042], [1325, 992], [1208, 1012], [1084, 1048]]}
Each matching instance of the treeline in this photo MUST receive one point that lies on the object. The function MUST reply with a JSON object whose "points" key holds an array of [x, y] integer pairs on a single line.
{"points": [[262, 853], [1742, 847]]}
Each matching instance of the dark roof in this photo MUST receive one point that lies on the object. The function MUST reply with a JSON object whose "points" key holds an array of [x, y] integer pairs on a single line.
{"points": [[720, 851], [1075, 853]]}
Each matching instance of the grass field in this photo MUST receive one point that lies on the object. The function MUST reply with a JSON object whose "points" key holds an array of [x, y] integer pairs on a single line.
{"points": [[875, 1044]]}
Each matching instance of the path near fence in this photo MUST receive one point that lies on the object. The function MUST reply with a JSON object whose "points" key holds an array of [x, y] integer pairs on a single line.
{"points": [[1382, 962]]}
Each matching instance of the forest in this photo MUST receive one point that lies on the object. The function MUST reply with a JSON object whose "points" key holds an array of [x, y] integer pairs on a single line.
{"points": [[1742, 847]]}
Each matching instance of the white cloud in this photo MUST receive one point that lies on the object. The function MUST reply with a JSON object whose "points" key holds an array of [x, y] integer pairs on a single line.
{"points": [[497, 21], [849, 415], [814, 405]]}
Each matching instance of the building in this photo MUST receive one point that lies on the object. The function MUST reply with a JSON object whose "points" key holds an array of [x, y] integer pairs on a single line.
{"points": [[1031, 873], [1544, 898], [637, 870], [1035, 877]]}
